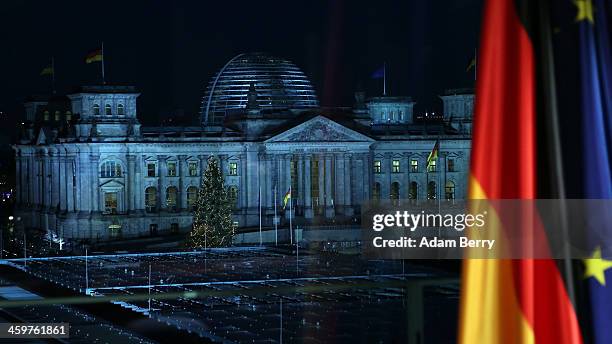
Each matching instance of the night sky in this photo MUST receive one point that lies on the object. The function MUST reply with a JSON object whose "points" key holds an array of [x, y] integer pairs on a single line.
{"points": [[170, 50]]}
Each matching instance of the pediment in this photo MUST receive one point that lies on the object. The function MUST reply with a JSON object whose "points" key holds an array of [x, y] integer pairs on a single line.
{"points": [[112, 184], [320, 129]]}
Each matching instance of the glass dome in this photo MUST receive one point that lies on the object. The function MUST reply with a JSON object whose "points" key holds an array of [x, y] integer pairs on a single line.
{"points": [[279, 84]]}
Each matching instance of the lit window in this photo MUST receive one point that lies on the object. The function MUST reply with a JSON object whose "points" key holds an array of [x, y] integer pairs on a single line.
{"points": [[57, 116], [171, 198], [193, 169], [120, 109], [68, 116], [171, 168], [150, 199], [192, 197], [377, 166], [451, 165], [46, 115], [151, 169], [110, 169], [432, 166], [395, 166], [233, 168], [110, 202], [107, 110], [414, 165], [96, 109]]}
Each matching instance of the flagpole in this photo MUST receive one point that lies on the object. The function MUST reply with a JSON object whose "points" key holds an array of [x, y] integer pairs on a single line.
{"points": [[103, 78], [275, 218], [290, 215], [260, 239], [53, 74], [384, 78]]}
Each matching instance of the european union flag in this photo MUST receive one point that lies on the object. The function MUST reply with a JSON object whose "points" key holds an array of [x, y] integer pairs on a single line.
{"points": [[379, 73], [595, 60]]}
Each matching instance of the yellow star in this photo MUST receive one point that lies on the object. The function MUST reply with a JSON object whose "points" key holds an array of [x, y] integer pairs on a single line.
{"points": [[596, 267], [585, 10]]}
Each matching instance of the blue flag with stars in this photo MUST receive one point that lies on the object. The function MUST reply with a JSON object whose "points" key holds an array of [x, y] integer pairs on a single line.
{"points": [[596, 113]]}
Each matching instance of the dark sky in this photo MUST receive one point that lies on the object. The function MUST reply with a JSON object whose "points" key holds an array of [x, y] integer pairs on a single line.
{"points": [[170, 49]]}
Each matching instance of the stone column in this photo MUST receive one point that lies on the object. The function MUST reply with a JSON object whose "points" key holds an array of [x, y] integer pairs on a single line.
{"points": [[307, 187], [95, 184], [269, 191], [387, 170], [70, 190], [321, 160], [162, 168], [348, 199], [55, 182], [182, 174], [406, 193], [63, 189], [131, 189], [329, 177], [299, 201], [139, 179]]}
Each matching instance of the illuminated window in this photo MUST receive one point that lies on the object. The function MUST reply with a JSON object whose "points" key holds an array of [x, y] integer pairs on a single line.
{"points": [[57, 116], [150, 199], [193, 168], [96, 109], [110, 202], [68, 116], [107, 110], [171, 168], [151, 169], [377, 166], [432, 166], [120, 109], [192, 197], [414, 165], [395, 166], [450, 164], [110, 169], [171, 198], [46, 115], [233, 168]]}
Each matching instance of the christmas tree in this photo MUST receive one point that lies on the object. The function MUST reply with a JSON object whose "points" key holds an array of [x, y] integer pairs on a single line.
{"points": [[212, 218]]}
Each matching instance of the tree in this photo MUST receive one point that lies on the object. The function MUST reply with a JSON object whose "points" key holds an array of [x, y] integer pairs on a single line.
{"points": [[212, 218]]}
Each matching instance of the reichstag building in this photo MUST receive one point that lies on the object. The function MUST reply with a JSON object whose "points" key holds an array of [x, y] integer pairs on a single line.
{"points": [[87, 169]]}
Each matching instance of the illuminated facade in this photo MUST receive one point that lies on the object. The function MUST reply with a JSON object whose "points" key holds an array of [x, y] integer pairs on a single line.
{"points": [[100, 174]]}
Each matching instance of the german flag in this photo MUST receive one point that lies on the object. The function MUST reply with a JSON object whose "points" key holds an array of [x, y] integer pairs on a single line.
{"points": [[94, 56], [47, 70], [520, 300], [286, 198], [433, 155]]}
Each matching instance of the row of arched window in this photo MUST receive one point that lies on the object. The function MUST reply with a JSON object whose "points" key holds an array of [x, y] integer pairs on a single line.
{"points": [[413, 190], [108, 109], [171, 202]]}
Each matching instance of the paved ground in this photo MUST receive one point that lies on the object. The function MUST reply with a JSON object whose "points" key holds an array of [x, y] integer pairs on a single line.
{"points": [[257, 295]]}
